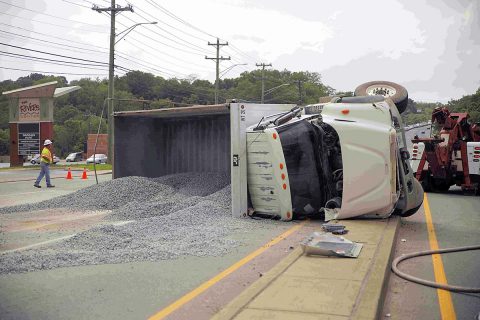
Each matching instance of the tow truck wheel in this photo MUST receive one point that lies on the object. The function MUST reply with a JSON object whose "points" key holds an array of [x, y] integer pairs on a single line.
{"points": [[392, 90], [427, 183]]}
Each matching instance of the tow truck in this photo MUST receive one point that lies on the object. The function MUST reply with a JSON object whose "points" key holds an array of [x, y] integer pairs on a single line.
{"points": [[451, 157]]}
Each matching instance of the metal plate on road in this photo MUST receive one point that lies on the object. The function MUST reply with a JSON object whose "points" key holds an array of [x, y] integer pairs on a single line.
{"points": [[28, 138]]}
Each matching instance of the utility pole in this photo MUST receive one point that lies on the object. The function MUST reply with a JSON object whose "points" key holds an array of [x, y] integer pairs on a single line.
{"points": [[218, 58], [113, 10], [263, 65], [300, 98]]}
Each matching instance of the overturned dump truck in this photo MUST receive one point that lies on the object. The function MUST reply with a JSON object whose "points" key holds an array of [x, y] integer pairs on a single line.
{"points": [[337, 160]]}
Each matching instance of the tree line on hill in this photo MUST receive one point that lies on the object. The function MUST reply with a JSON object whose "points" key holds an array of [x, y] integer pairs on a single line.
{"points": [[78, 113]]}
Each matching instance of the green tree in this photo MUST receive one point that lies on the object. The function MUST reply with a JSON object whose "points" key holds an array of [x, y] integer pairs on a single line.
{"points": [[4, 141], [468, 103]]}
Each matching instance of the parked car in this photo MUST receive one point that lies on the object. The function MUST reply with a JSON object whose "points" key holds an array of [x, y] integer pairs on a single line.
{"points": [[74, 157], [99, 158], [36, 159]]}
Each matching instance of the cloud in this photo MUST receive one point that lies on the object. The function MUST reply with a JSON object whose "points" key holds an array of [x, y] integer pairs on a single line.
{"points": [[248, 38]]}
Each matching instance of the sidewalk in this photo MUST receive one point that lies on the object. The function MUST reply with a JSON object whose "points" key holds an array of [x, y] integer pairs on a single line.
{"points": [[30, 174], [315, 287]]}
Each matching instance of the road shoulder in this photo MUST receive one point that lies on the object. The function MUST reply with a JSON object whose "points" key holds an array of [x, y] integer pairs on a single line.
{"points": [[320, 287]]}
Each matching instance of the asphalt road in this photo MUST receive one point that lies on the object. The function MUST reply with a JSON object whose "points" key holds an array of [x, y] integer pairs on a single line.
{"points": [[456, 221], [422, 132], [114, 291]]}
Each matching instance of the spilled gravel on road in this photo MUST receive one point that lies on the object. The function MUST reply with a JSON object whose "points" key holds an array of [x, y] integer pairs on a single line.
{"points": [[168, 217]]}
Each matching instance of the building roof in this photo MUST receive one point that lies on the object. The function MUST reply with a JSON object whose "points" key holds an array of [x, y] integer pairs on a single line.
{"points": [[47, 90], [61, 91], [38, 86]]}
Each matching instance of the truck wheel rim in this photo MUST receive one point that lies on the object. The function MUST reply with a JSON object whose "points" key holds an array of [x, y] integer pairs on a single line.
{"points": [[381, 90]]}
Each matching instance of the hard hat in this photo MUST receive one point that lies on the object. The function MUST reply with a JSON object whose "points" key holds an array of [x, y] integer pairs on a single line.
{"points": [[47, 142]]}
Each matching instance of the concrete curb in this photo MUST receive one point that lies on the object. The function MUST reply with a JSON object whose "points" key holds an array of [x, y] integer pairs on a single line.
{"points": [[369, 297], [372, 296]]}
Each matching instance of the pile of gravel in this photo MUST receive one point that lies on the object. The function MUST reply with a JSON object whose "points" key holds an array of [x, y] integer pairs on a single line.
{"points": [[169, 217], [103, 196]]}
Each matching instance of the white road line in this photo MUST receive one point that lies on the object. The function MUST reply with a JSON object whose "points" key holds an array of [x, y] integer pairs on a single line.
{"points": [[117, 223], [38, 244]]}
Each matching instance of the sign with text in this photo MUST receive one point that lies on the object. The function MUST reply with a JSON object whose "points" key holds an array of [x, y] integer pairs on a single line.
{"points": [[29, 109], [28, 138]]}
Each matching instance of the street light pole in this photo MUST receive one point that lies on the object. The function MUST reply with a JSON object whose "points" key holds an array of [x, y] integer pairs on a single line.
{"points": [[111, 65], [275, 88], [130, 29], [224, 72], [111, 75], [263, 65]]}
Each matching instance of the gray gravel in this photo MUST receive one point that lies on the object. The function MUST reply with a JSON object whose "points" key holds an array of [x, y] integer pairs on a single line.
{"points": [[104, 196], [171, 216]]}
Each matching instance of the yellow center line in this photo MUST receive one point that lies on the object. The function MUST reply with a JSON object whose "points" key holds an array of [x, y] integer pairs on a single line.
{"points": [[204, 286], [447, 311]]}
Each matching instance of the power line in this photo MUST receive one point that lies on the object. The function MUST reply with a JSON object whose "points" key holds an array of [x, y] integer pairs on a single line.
{"points": [[179, 19], [51, 42], [141, 44], [77, 4], [186, 43], [49, 15], [51, 60], [170, 33], [148, 67], [166, 44], [189, 63], [172, 15], [52, 54], [57, 62], [242, 53], [51, 24], [47, 35], [190, 25], [48, 62], [51, 72], [64, 45], [173, 27]]}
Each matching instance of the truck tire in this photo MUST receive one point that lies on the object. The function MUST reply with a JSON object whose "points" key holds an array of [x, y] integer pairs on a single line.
{"points": [[410, 212], [397, 93], [440, 186]]}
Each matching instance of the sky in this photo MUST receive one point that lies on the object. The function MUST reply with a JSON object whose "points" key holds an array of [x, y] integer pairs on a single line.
{"points": [[432, 47]]}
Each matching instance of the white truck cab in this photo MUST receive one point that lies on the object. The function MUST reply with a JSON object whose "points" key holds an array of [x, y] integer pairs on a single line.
{"points": [[343, 159]]}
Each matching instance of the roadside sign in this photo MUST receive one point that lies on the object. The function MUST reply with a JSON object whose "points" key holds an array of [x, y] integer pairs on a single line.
{"points": [[29, 109], [28, 138]]}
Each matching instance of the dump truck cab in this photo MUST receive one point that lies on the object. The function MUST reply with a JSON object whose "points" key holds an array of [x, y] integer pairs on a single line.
{"points": [[344, 158]]}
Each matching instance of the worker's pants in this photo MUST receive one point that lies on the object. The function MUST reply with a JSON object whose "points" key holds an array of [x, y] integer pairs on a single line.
{"points": [[44, 171]]}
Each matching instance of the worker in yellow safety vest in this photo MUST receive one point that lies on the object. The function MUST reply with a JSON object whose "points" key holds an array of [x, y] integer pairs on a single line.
{"points": [[46, 158]]}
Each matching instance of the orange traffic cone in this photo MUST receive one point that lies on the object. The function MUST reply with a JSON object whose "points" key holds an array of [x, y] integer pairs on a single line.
{"points": [[84, 174], [69, 174]]}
